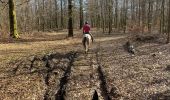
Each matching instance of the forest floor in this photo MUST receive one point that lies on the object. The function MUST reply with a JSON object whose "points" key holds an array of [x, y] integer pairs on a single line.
{"points": [[49, 66]]}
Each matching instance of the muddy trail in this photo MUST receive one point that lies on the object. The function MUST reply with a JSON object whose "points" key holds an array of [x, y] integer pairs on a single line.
{"points": [[82, 78], [106, 72]]}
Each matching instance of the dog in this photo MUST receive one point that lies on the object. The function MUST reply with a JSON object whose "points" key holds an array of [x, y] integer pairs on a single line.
{"points": [[87, 41]]}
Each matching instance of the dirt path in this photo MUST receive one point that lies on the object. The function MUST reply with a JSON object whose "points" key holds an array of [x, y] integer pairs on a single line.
{"points": [[82, 79], [86, 78]]}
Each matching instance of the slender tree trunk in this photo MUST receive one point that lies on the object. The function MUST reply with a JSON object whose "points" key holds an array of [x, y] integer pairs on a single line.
{"points": [[116, 14], [125, 7], [143, 15], [139, 12], [110, 15], [70, 20], [62, 17], [81, 13], [13, 20], [43, 17], [126, 16], [162, 20], [50, 20], [168, 38], [101, 15], [150, 16], [132, 12], [56, 13]]}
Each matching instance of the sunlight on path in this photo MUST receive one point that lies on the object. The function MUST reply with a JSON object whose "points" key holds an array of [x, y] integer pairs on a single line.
{"points": [[12, 50], [44, 44]]}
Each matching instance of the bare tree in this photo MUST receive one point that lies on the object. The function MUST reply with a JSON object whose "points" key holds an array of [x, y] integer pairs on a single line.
{"points": [[56, 13], [162, 19], [110, 8], [81, 13], [150, 15], [168, 38], [70, 20], [13, 20]]}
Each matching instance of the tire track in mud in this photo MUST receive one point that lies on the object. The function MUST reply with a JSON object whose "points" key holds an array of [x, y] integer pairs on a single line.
{"points": [[60, 95], [56, 91], [73, 76], [104, 88], [83, 79], [87, 79], [102, 78]]}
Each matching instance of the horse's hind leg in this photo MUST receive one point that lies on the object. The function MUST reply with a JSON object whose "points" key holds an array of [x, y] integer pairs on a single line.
{"points": [[87, 45], [83, 42]]}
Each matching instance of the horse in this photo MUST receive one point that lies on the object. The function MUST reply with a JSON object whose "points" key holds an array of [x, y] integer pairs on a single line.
{"points": [[87, 40]]}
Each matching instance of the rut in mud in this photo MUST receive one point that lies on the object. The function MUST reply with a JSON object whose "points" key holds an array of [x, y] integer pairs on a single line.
{"points": [[69, 76], [83, 78]]}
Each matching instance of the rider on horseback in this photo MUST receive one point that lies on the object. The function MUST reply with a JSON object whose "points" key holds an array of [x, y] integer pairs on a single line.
{"points": [[86, 30]]}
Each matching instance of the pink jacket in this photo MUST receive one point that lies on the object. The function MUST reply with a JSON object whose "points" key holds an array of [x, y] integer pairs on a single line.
{"points": [[86, 28]]}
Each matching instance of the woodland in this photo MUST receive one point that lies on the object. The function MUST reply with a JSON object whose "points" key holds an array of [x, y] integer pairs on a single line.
{"points": [[42, 57]]}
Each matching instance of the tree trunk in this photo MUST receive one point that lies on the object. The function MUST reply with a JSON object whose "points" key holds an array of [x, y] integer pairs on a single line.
{"points": [[144, 15], [150, 16], [110, 5], [81, 13], [13, 20], [50, 20], [43, 17], [116, 14], [162, 20], [56, 13], [139, 12], [125, 8], [62, 19], [168, 38], [70, 20]]}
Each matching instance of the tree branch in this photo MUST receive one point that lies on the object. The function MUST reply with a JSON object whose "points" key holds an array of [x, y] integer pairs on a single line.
{"points": [[4, 6], [2, 1], [23, 3]]}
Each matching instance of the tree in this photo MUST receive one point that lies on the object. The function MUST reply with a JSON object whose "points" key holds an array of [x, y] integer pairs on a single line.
{"points": [[70, 19], [150, 15], [125, 8], [56, 13], [116, 14], [168, 38], [110, 7], [13, 20], [62, 19], [81, 13], [162, 20]]}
